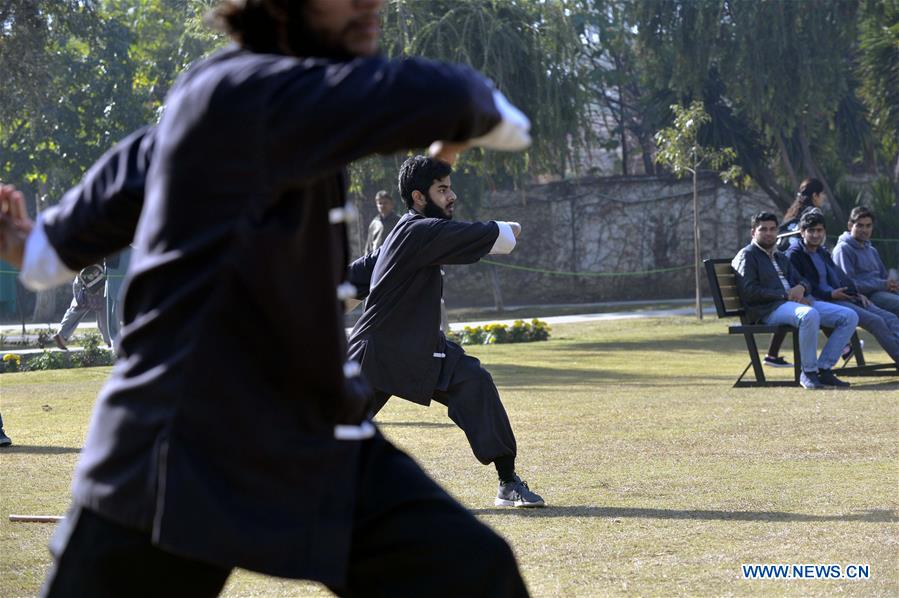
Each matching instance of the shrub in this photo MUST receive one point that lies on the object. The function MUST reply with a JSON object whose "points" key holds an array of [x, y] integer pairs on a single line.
{"points": [[92, 354], [47, 360], [519, 332], [11, 363]]}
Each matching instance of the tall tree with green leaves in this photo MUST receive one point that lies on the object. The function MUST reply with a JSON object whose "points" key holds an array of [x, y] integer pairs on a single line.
{"points": [[528, 48], [681, 150]]}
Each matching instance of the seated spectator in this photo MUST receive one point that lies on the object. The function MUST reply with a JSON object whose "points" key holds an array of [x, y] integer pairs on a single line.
{"points": [[813, 262], [862, 264], [774, 294], [810, 196]]}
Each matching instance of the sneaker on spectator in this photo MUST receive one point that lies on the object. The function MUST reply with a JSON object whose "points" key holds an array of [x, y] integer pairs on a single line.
{"points": [[827, 378], [810, 381], [4, 439], [517, 494], [777, 362]]}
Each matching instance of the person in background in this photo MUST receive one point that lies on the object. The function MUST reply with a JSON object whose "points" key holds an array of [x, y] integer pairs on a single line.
{"points": [[862, 264], [88, 296], [814, 263], [382, 224], [774, 294]]}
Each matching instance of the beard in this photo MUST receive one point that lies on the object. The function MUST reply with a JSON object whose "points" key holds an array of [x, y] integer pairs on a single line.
{"points": [[304, 41], [432, 210]]}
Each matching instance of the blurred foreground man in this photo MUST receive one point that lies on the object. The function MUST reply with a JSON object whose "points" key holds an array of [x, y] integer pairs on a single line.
{"points": [[398, 340], [220, 441]]}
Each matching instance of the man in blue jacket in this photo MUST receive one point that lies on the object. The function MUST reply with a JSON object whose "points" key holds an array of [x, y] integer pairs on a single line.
{"points": [[774, 293], [813, 262], [861, 262]]}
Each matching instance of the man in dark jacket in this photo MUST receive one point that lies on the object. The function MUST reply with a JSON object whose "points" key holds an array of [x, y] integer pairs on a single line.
{"points": [[774, 293], [398, 340], [813, 262], [216, 446]]}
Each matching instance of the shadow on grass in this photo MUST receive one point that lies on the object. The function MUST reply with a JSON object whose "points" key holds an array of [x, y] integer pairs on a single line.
{"points": [[39, 450], [873, 515], [511, 375], [414, 424], [686, 343]]}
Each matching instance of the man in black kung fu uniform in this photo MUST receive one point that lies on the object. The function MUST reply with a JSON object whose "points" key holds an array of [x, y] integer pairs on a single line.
{"points": [[398, 341], [219, 440]]}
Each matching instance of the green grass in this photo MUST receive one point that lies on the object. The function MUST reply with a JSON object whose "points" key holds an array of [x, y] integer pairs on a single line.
{"points": [[662, 478]]}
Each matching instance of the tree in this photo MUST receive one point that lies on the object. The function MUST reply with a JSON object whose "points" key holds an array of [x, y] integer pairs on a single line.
{"points": [[784, 70], [529, 49], [681, 150]]}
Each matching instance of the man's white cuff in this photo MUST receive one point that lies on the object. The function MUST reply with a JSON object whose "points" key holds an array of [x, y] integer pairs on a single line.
{"points": [[511, 133], [505, 241], [41, 267]]}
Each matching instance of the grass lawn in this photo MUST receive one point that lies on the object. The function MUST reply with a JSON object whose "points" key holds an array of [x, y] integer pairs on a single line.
{"points": [[662, 478]]}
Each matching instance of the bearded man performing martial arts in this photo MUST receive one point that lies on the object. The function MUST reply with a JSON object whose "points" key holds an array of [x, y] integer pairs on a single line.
{"points": [[398, 341], [219, 441]]}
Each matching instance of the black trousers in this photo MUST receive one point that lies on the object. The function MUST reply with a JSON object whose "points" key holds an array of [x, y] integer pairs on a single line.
{"points": [[410, 538], [473, 404]]}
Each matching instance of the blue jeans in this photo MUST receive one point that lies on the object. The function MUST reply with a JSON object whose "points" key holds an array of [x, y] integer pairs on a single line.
{"points": [[883, 325], [886, 300], [809, 319]]}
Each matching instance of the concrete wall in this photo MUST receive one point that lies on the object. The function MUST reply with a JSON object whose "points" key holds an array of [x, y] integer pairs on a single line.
{"points": [[598, 226]]}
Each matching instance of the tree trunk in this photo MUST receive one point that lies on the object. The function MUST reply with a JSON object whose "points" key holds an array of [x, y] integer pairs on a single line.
{"points": [[623, 129], [696, 250], [785, 158], [497, 290], [816, 172]]}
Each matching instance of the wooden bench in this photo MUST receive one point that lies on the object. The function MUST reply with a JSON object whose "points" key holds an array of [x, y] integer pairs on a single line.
{"points": [[723, 286]]}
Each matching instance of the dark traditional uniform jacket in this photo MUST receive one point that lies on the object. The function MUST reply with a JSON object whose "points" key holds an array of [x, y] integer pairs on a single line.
{"points": [[759, 285], [398, 339], [216, 430]]}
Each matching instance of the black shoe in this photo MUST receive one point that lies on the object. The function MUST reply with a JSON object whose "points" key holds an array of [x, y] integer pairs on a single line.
{"points": [[810, 381], [517, 494], [4, 439], [828, 379], [59, 342], [777, 362]]}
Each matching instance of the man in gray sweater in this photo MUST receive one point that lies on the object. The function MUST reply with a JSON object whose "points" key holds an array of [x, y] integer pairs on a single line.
{"points": [[861, 262]]}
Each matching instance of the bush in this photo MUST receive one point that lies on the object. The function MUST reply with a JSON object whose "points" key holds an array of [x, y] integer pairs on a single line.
{"points": [[92, 354], [47, 360], [519, 332], [11, 363]]}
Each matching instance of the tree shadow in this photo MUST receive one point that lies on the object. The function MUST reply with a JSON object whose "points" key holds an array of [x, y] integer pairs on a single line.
{"points": [[414, 424], [872, 515], [39, 450], [687, 343], [514, 375]]}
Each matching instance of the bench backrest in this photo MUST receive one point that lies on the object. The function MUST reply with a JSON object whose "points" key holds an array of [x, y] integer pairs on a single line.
{"points": [[723, 284]]}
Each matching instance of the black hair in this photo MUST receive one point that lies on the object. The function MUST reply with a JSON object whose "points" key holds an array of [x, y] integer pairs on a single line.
{"points": [[763, 217], [418, 173], [804, 198], [860, 212], [382, 194], [258, 25], [810, 218]]}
